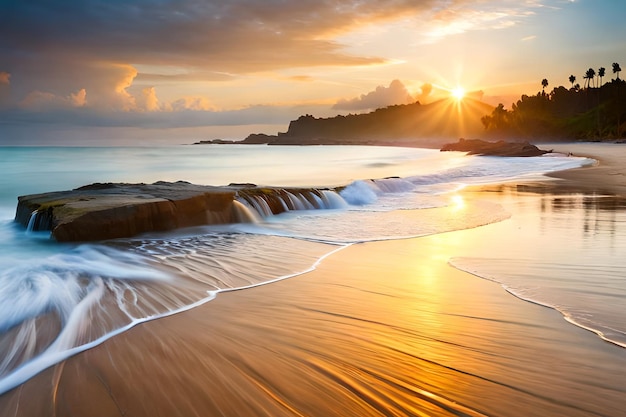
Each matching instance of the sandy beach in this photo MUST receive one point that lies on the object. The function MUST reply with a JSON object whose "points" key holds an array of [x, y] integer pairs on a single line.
{"points": [[608, 176], [378, 329]]}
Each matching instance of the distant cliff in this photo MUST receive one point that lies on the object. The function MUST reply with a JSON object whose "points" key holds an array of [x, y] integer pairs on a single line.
{"points": [[408, 125]]}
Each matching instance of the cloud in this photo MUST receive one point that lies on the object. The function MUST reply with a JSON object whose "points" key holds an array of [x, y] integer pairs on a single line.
{"points": [[105, 84], [43, 100], [211, 38], [232, 37], [5, 88], [173, 41], [192, 103], [154, 76], [126, 47], [188, 114], [120, 98], [464, 16], [425, 91], [79, 99], [382, 96], [149, 100]]}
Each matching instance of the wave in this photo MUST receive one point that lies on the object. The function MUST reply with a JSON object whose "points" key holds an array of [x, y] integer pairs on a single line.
{"points": [[71, 302], [593, 308]]}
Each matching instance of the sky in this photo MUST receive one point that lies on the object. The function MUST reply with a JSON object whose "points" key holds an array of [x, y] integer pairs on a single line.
{"points": [[175, 70]]}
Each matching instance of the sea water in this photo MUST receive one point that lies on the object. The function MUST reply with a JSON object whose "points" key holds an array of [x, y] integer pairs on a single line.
{"points": [[58, 299]]}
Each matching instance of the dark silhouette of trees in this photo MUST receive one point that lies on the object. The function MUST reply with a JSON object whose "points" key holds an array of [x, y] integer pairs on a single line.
{"points": [[564, 113], [572, 79], [499, 121], [616, 69], [589, 76], [601, 73]]}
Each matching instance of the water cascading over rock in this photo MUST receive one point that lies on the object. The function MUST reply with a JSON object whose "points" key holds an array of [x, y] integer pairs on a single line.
{"points": [[107, 211]]}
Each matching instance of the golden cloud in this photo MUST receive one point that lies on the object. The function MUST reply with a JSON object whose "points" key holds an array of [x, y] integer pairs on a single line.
{"points": [[382, 96]]}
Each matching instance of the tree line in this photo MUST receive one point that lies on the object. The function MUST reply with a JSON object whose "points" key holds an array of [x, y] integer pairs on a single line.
{"points": [[595, 111]]}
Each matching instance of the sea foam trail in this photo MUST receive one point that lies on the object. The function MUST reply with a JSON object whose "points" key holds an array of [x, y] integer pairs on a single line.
{"points": [[96, 292], [540, 283], [61, 292]]}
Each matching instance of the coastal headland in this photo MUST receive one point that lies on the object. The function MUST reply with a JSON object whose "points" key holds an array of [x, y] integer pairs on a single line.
{"points": [[410, 125]]}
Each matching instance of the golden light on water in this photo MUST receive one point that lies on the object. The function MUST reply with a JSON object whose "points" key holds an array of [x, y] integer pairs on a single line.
{"points": [[457, 202]]}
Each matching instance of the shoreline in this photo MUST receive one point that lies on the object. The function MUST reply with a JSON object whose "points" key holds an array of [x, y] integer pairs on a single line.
{"points": [[290, 349], [376, 325], [607, 176]]}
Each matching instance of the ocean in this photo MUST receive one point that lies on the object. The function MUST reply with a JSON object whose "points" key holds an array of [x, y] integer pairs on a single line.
{"points": [[59, 299]]}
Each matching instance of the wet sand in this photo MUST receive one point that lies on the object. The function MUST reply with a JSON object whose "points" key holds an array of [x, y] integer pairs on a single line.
{"points": [[608, 176], [383, 328]]}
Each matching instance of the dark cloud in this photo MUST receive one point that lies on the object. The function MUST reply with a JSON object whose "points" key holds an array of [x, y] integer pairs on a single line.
{"points": [[382, 96], [5, 82], [54, 49], [234, 36]]}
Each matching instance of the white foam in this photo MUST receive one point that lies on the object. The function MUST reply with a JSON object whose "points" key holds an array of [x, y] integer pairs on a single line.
{"points": [[58, 286], [359, 193]]}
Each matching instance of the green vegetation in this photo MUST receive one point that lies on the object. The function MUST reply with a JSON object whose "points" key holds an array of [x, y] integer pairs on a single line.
{"points": [[595, 112]]}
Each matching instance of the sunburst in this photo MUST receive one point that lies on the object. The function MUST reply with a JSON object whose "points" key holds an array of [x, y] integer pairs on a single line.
{"points": [[458, 93]]}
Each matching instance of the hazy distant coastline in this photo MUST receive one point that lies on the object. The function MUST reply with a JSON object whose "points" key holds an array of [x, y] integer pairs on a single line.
{"points": [[412, 125]]}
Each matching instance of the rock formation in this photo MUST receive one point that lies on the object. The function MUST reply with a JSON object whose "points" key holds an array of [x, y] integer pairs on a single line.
{"points": [[107, 211], [500, 148]]}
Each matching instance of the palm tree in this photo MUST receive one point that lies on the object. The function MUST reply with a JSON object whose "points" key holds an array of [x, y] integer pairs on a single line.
{"points": [[601, 73], [572, 79], [544, 84], [589, 76], [616, 69]]}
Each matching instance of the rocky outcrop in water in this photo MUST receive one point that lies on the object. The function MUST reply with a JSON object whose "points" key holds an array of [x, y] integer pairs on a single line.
{"points": [[500, 148], [108, 211]]}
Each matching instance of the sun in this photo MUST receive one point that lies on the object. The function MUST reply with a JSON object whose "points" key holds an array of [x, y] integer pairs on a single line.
{"points": [[458, 93]]}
